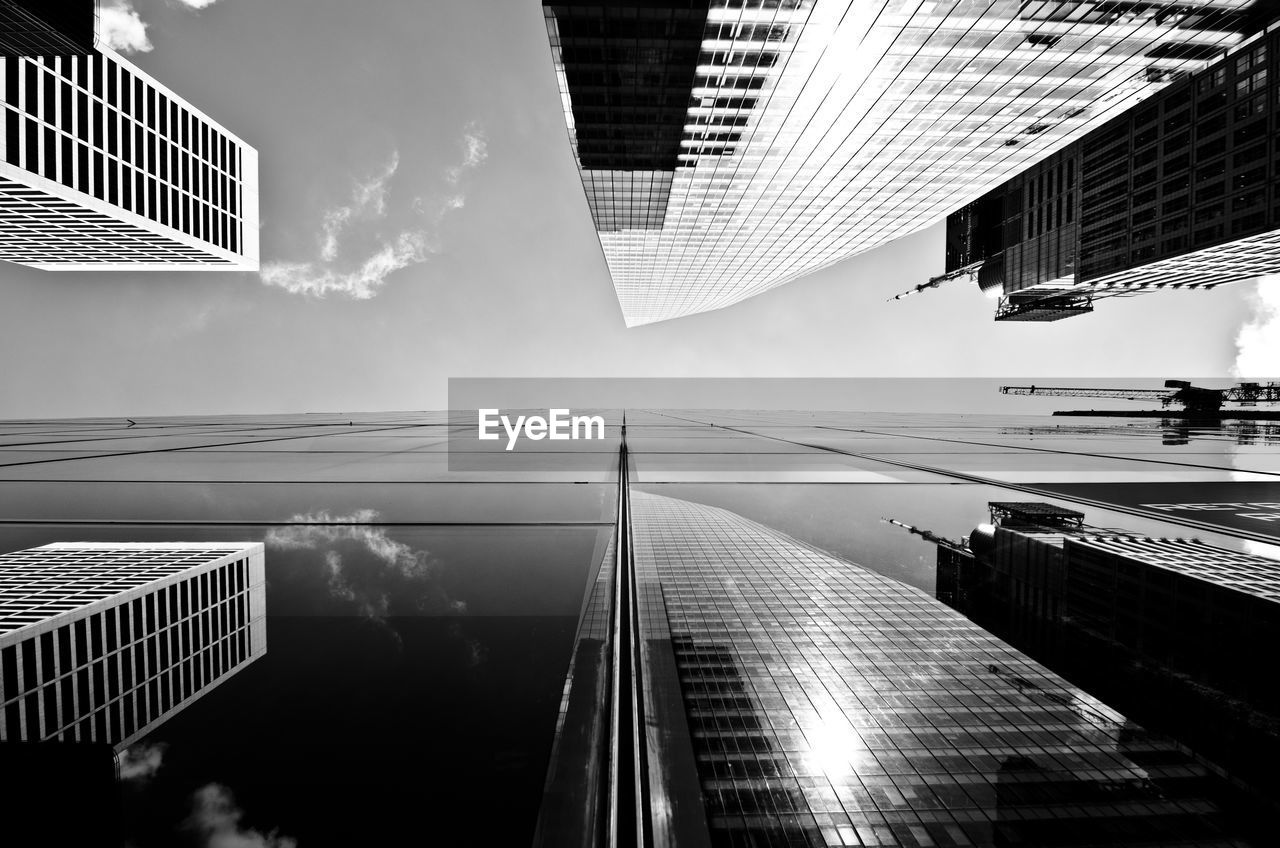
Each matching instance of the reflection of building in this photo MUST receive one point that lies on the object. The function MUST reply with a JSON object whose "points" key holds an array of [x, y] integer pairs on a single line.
{"points": [[1177, 192], [101, 642], [782, 696], [729, 147], [1164, 629], [102, 168]]}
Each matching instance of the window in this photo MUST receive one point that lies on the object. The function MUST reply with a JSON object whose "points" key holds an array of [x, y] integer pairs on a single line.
{"points": [[1250, 84]]}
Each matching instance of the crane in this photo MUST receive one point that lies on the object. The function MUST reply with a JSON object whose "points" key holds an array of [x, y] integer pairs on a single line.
{"points": [[970, 270], [1193, 398], [930, 536]]}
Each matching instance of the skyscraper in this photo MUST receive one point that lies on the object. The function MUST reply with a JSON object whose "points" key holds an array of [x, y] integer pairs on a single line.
{"points": [[1177, 192], [728, 147], [783, 696], [1164, 629], [101, 642], [36, 28], [103, 168]]}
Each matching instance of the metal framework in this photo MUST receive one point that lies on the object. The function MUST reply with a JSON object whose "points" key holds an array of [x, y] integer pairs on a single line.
{"points": [[1179, 392]]}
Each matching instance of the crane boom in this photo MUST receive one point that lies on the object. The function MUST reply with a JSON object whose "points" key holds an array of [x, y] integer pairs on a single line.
{"points": [[1193, 398], [1073, 391]]}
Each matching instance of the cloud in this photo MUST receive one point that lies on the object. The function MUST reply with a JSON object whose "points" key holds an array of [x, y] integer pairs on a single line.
{"points": [[215, 818], [1258, 340], [476, 151], [368, 202], [359, 219], [363, 566], [141, 761], [361, 283], [197, 4], [120, 28]]}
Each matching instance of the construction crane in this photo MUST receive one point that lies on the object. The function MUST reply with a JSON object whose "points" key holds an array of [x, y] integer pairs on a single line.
{"points": [[930, 536], [1193, 399], [970, 270]]}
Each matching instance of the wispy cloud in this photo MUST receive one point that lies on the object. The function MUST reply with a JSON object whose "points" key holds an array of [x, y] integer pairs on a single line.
{"points": [[476, 151], [1258, 340], [141, 761], [120, 28], [361, 283], [359, 219], [215, 819], [363, 566], [368, 202]]}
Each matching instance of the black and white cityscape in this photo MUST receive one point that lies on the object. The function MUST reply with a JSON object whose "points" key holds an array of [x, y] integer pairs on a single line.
{"points": [[639, 423]]}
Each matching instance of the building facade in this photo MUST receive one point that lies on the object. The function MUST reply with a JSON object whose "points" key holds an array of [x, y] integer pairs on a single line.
{"points": [[730, 146], [103, 168], [36, 28], [787, 697], [1162, 629], [1178, 192], [101, 642]]}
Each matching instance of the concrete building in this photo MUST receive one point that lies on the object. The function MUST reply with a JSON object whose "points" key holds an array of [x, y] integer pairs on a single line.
{"points": [[103, 168], [102, 642]]}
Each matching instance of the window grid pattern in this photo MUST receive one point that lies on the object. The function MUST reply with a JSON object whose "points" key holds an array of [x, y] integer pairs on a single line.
{"points": [[95, 125], [832, 706], [866, 122], [108, 673], [70, 29], [37, 228], [1193, 169], [1253, 575]]}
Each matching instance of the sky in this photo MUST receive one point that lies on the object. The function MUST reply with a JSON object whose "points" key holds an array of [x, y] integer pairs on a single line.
{"points": [[422, 219]]}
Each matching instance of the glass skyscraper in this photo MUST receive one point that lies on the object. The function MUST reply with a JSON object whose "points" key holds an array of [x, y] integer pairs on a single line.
{"points": [[1161, 627], [1177, 192], [793, 680], [104, 168], [103, 642], [810, 701], [730, 146]]}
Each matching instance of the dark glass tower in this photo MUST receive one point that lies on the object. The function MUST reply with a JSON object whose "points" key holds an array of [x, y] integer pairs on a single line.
{"points": [[1179, 191], [1163, 629], [48, 27], [778, 695]]}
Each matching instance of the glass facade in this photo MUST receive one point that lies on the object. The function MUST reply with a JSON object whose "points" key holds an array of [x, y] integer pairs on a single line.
{"points": [[817, 129], [829, 705], [36, 28], [441, 636], [1158, 626], [1178, 192], [102, 168], [102, 643]]}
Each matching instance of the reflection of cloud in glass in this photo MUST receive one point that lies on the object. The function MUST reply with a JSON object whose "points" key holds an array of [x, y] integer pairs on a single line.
{"points": [[141, 761], [1262, 549], [364, 567], [215, 818]]}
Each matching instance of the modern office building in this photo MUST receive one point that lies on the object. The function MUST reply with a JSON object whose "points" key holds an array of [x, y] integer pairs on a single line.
{"points": [[43, 28], [1177, 192], [730, 146], [1166, 630], [783, 696], [103, 168], [102, 642]]}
